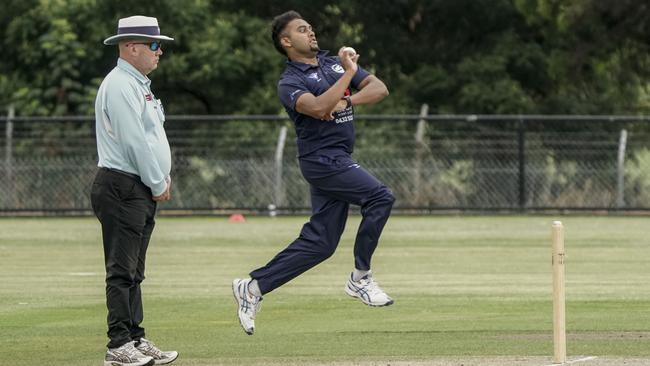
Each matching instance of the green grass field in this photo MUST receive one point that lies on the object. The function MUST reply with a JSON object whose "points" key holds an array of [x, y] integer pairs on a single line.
{"points": [[467, 290]]}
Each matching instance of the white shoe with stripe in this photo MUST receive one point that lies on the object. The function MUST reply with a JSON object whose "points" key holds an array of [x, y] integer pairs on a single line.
{"points": [[368, 291], [147, 348], [248, 305], [127, 355]]}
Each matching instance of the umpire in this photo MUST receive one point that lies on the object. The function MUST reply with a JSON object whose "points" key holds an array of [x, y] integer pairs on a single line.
{"points": [[134, 167]]}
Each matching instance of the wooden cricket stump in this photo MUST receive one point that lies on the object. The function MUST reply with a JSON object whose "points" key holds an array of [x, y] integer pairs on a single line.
{"points": [[559, 318]]}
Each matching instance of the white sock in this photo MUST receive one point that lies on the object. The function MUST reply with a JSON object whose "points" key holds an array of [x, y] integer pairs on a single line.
{"points": [[254, 288], [358, 274]]}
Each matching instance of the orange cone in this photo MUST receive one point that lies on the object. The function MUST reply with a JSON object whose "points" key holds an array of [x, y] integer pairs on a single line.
{"points": [[236, 218]]}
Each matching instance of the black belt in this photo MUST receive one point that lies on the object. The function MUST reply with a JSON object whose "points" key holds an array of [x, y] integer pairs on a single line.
{"points": [[130, 175]]}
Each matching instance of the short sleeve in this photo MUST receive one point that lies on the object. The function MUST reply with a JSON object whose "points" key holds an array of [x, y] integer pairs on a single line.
{"points": [[289, 89], [358, 77]]}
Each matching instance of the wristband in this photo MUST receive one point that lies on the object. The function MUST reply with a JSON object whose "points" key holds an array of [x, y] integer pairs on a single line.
{"points": [[348, 100]]}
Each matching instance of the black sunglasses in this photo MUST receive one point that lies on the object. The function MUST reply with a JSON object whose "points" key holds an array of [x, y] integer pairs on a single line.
{"points": [[154, 46]]}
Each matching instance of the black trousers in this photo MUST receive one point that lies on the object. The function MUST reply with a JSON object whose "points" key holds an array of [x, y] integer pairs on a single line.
{"points": [[336, 181], [124, 206]]}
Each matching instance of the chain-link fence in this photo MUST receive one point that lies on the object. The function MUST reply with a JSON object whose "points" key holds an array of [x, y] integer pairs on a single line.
{"points": [[233, 163]]}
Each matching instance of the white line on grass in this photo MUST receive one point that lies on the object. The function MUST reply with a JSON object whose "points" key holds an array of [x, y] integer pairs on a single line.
{"points": [[82, 274], [574, 361]]}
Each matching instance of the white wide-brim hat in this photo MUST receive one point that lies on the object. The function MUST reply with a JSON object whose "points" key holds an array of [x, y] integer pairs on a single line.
{"points": [[137, 27]]}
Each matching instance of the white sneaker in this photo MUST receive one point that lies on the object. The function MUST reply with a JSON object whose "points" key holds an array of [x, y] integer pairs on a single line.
{"points": [[147, 348], [127, 355], [368, 291], [248, 305]]}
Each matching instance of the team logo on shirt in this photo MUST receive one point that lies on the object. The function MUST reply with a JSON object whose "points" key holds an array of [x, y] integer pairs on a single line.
{"points": [[338, 68], [314, 76]]}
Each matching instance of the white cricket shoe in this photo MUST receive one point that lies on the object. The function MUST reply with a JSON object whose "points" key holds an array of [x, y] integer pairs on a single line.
{"points": [[127, 355], [248, 305], [147, 348], [368, 291]]}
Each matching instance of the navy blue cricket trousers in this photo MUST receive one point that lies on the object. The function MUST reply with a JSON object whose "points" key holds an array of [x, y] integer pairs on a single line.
{"points": [[336, 181]]}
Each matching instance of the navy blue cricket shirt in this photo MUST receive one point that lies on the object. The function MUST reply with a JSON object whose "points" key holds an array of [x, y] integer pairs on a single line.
{"points": [[315, 134]]}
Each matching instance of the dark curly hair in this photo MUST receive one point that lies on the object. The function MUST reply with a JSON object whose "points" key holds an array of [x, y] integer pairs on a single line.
{"points": [[277, 27]]}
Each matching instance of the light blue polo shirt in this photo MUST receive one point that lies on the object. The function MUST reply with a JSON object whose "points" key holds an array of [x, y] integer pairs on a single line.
{"points": [[129, 127]]}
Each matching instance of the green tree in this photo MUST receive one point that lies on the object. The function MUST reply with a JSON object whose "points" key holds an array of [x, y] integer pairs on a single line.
{"points": [[464, 56]]}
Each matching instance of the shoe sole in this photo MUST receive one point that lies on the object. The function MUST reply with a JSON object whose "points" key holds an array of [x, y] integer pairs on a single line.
{"points": [[354, 295], [116, 363], [236, 296], [165, 362]]}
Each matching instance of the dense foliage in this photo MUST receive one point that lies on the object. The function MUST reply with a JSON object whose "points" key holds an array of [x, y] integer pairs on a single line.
{"points": [[461, 56]]}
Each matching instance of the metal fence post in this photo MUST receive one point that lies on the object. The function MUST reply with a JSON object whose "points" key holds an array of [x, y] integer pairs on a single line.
{"points": [[620, 170], [419, 154], [9, 158], [278, 196], [522, 163]]}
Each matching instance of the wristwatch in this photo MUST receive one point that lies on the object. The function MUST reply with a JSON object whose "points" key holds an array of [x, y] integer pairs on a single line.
{"points": [[348, 100]]}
